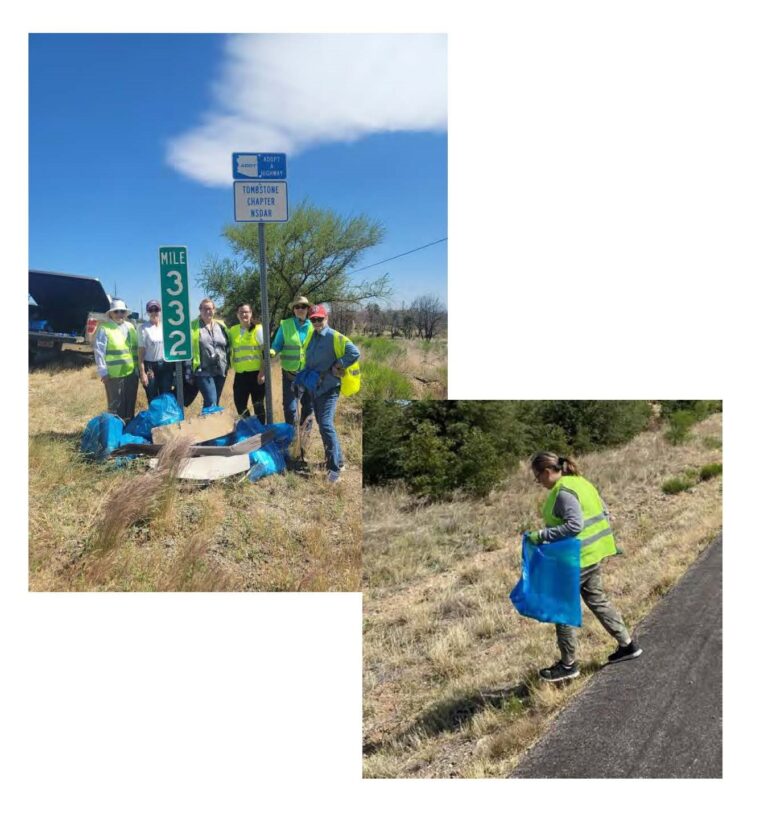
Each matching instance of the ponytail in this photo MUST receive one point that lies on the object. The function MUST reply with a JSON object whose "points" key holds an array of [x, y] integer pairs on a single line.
{"points": [[551, 461]]}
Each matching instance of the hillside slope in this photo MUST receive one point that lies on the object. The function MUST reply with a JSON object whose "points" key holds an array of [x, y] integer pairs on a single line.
{"points": [[450, 687]]}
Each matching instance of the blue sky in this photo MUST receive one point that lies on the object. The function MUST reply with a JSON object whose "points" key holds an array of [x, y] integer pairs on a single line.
{"points": [[130, 142]]}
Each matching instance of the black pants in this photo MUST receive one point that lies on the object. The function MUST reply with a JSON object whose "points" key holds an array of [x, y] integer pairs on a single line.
{"points": [[247, 385]]}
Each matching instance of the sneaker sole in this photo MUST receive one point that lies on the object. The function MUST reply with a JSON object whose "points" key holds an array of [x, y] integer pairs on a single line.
{"points": [[625, 658], [560, 679]]}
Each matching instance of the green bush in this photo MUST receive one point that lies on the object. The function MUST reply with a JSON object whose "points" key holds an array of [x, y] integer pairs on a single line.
{"points": [[379, 349], [713, 442], [383, 438], [675, 485], [441, 446], [583, 425], [701, 408], [381, 382], [680, 424], [710, 471]]}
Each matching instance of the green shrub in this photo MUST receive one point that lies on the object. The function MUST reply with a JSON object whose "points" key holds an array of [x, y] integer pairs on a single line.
{"points": [[710, 471], [680, 424], [701, 408], [675, 485], [713, 442], [582, 425], [381, 382], [379, 349]]}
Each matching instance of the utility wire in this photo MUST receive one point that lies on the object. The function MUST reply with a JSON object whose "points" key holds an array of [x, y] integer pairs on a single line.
{"points": [[402, 254]]}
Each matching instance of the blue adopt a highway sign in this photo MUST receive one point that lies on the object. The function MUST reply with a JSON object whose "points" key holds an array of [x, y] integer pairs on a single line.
{"points": [[258, 165]]}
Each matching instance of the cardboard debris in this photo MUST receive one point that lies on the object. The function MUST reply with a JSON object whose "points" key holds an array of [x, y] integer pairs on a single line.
{"points": [[211, 468], [197, 428], [246, 446]]}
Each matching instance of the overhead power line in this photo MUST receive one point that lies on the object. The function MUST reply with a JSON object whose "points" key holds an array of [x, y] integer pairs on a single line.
{"points": [[402, 254]]}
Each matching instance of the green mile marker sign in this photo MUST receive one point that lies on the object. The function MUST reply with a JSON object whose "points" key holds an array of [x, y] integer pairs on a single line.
{"points": [[177, 333]]}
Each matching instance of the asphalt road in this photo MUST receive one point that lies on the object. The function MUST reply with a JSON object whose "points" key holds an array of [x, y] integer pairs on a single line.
{"points": [[657, 716]]}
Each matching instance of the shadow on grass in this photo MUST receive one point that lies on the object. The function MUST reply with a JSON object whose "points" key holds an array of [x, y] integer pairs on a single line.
{"points": [[66, 438], [448, 715], [66, 360]]}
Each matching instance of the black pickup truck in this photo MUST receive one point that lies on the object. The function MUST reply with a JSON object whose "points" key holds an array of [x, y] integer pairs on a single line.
{"points": [[67, 309]]}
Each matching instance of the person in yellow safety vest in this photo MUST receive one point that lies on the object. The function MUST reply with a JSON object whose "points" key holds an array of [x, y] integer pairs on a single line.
{"points": [[574, 509], [246, 342], [115, 349], [291, 341], [210, 353]]}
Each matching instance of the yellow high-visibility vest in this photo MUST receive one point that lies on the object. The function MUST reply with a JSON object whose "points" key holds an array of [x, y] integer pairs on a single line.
{"points": [[293, 354], [247, 348], [597, 541], [122, 353], [350, 379]]}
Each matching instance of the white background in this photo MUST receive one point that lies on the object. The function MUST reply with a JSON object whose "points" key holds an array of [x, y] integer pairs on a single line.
{"points": [[613, 245]]}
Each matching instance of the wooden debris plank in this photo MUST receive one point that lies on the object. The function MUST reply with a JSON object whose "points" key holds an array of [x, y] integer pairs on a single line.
{"points": [[197, 428]]}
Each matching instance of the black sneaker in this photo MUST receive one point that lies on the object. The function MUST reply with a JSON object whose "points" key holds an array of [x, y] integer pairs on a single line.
{"points": [[625, 652], [558, 672]]}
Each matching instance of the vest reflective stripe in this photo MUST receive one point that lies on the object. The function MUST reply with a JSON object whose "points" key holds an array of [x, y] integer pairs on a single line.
{"points": [[350, 379], [195, 326], [597, 540], [293, 353], [122, 352], [243, 346]]}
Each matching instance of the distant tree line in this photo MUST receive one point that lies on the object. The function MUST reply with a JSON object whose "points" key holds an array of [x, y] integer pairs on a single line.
{"points": [[425, 318], [438, 447]]}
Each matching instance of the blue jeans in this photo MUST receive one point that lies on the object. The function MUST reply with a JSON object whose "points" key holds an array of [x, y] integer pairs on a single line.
{"points": [[210, 386], [325, 410], [290, 402]]}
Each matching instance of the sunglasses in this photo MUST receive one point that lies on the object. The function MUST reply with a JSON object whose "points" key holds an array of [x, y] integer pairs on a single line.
{"points": [[119, 311], [153, 310], [316, 319], [302, 307]]}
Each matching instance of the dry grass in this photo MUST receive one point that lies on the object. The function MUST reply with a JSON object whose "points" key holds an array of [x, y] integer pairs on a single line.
{"points": [[99, 526], [424, 365], [450, 682]]}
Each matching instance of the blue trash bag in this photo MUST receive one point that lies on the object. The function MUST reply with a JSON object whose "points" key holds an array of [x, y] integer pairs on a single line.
{"points": [[307, 379], [266, 461], [129, 438], [101, 436], [283, 434], [548, 589], [164, 409], [220, 441], [141, 425], [247, 427]]}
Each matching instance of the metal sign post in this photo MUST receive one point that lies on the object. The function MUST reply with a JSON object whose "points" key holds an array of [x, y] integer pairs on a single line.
{"points": [[177, 330], [258, 200], [265, 321]]}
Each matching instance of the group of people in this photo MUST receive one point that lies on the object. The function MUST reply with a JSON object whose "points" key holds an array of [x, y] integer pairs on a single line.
{"points": [[304, 342]]}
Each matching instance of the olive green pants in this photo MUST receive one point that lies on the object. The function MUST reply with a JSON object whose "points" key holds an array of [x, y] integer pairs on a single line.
{"points": [[594, 596]]}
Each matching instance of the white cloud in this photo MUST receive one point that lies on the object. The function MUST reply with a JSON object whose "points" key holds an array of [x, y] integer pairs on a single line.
{"points": [[286, 92]]}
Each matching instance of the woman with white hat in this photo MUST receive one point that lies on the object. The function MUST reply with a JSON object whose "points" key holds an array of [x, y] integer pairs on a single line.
{"points": [[115, 349], [155, 373]]}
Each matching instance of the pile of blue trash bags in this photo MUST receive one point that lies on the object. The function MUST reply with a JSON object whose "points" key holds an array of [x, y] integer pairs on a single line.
{"points": [[106, 432], [548, 589]]}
